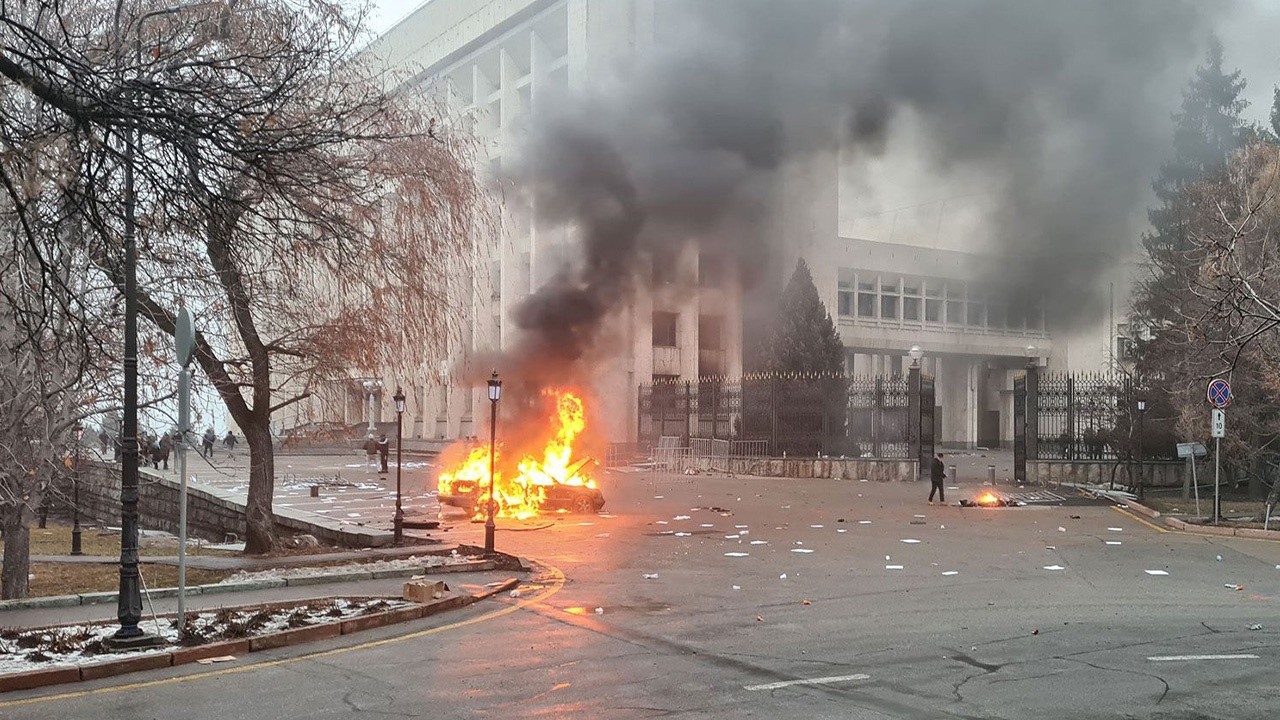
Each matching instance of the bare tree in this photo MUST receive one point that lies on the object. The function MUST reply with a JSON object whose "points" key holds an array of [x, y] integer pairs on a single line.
{"points": [[308, 209]]}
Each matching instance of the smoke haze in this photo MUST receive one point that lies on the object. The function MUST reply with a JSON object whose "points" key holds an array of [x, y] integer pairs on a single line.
{"points": [[1056, 112]]}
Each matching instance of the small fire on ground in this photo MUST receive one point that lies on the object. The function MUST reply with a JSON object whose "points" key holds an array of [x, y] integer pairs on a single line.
{"points": [[542, 459], [988, 499]]}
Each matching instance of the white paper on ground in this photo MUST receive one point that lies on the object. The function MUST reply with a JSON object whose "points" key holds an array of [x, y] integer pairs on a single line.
{"points": [[801, 550], [1054, 567], [951, 572], [735, 554], [892, 567], [1156, 572], [909, 541]]}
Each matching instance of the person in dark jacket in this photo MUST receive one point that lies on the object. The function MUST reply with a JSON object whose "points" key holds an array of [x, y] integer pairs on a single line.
{"points": [[384, 448], [937, 473], [207, 443]]}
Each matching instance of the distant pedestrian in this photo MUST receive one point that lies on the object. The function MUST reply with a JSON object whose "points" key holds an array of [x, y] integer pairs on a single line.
{"points": [[162, 450], [384, 448], [144, 449], [104, 442], [230, 441], [207, 442], [370, 454], [937, 473]]}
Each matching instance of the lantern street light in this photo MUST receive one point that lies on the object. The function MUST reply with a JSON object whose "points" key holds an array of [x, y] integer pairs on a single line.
{"points": [[495, 392], [75, 495], [399, 518], [1142, 427], [915, 353]]}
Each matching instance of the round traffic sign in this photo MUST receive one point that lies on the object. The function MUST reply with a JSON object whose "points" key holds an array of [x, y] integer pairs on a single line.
{"points": [[1219, 393]]}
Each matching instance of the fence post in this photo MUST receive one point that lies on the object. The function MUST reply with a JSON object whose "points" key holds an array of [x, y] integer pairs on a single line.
{"points": [[773, 414], [1033, 411], [915, 406], [877, 410], [715, 410], [1071, 417], [688, 410]]}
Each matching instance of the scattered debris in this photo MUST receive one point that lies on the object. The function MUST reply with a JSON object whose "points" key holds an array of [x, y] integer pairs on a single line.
{"points": [[1229, 586], [759, 542], [1059, 567], [909, 541], [801, 550], [1075, 517], [1061, 529], [783, 576], [650, 576], [806, 602], [951, 572], [1115, 529], [1036, 631], [1256, 626], [219, 659], [759, 619], [892, 567], [737, 587], [599, 611], [1219, 558], [1112, 542], [864, 522], [815, 526], [1157, 572], [735, 554]]}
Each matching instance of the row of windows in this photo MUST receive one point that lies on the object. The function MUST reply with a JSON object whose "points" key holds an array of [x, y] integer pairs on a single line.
{"points": [[666, 269], [930, 300], [710, 330]]}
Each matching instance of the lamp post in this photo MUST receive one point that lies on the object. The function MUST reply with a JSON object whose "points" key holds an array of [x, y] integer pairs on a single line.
{"points": [[398, 523], [75, 495], [915, 403], [1142, 417], [129, 603], [495, 392]]}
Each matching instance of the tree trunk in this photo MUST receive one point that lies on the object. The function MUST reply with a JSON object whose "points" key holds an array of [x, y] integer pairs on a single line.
{"points": [[261, 527], [16, 567]]}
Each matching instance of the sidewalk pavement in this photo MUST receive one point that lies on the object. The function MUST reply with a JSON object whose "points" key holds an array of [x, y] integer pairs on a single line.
{"points": [[36, 617], [225, 562]]}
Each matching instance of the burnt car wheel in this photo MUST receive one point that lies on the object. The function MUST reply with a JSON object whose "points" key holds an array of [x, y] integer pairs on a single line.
{"points": [[582, 504]]}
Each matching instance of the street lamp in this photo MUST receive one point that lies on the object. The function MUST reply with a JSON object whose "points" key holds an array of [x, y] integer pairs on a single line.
{"points": [[495, 392], [129, 601], [1142, 417], [915, 353], [75, 495], [1031, 355], [399, 518]]}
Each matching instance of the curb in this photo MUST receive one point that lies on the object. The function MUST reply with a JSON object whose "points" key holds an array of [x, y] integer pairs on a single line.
{"points": [[1141, 509], [1221, 531], [58, 601], [284, 638]]}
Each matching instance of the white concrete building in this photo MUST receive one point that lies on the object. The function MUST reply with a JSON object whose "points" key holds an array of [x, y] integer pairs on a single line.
{"points": [[888, 290]]}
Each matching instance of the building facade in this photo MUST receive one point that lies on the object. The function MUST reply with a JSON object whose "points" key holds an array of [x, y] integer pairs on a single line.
{"points": [[498, 61]]}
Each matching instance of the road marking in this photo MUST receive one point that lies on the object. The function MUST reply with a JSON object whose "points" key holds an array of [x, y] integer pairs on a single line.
{"points": [[555, 585], [810, 681], [1175, 658]]}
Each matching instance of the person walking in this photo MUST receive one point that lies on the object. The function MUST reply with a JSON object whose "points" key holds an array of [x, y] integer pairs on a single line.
{"points": [[230, 441], [207, 442], [370, 454], [104, 442], [384, 449], [937, 473], [162, 450]]}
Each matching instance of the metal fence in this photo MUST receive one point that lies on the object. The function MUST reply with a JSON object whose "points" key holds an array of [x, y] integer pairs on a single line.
{"points": [[782, 415], [1095, 416]]}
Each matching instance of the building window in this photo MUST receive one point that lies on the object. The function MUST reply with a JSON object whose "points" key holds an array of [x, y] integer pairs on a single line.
{"points": [[976, 313], [664, 329], [933, 311], [866, 305], [911, 308], [995, 315], [845, 304], [955, 312], [665, 267], [711, 270], [710, 332], [889, 307], [1035, 318]]}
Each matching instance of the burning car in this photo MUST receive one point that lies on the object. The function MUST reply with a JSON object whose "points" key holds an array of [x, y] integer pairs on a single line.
{"points": [[543, 471]]}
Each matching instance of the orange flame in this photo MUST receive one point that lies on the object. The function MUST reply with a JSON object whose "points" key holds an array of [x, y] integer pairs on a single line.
{"points": [[521, 492], [988, 498]]}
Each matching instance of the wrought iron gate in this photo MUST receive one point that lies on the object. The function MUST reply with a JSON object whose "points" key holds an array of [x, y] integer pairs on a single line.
{"points": [[1020, 429], [927, 439]]}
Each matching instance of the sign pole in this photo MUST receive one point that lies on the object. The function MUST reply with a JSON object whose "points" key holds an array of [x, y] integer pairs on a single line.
{"points": [[1217, 501], [184, 337], [1195, 485]]}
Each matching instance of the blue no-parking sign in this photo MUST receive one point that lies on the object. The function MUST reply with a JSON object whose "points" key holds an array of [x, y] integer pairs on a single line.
{"points": [[1219, 393]]}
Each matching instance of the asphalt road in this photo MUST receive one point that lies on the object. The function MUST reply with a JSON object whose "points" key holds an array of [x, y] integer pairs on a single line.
{"points": [[726, 636]]}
